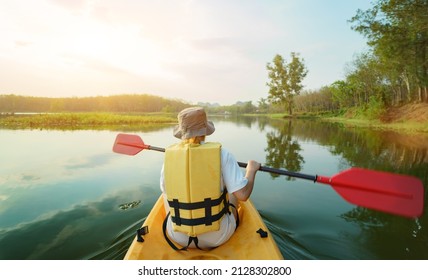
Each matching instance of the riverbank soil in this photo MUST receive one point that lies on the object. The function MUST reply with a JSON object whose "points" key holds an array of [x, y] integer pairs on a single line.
{"points": [[410, 118], [417, 112]]}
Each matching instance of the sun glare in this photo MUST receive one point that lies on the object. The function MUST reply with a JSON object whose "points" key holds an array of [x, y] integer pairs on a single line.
{"points": [[119, 46]]}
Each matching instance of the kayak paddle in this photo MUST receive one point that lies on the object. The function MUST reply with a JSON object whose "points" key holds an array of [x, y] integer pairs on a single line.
{"points": [[392, 193]]}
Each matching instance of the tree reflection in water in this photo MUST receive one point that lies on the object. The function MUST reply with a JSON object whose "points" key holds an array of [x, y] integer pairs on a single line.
{"points": [[283, 150]]}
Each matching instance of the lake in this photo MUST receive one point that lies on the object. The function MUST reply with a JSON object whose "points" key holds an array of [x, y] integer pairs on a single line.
{"points": [[65, 195]]}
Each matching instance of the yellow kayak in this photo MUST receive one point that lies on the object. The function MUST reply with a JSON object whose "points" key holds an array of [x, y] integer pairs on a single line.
{"points": [[245, 244]]}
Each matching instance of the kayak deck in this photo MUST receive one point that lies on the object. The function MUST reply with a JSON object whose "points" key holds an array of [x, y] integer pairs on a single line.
{"points": [[245, 243]]}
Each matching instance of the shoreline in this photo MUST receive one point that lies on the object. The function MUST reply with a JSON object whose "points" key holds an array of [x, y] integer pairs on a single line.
{"points": [[83, 120], [410, 118], [409, 127]]}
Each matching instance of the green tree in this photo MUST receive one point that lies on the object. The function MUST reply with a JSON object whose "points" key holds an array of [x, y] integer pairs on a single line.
{"points": [[367, 79], [285, 80], [342, 93], [263, 106], [397, 30]]}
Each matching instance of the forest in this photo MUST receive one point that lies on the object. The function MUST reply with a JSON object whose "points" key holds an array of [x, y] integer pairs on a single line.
{"points": [[394, 71]]}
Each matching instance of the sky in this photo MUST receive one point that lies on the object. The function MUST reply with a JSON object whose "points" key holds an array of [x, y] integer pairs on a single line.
{"points": [[193, 50]]}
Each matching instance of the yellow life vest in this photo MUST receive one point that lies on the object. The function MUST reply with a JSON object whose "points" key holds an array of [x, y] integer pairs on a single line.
{"points": [[192, 174]]}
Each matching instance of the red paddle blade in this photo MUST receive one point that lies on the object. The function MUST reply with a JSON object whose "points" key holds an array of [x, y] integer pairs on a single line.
{"points": [[392, 193], [128, 144]]}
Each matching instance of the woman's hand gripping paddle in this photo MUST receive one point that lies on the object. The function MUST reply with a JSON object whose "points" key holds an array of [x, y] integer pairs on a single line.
{"points": [[387, 192]]}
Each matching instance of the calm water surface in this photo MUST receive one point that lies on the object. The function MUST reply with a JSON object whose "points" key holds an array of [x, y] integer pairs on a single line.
{"points": [[66, 195]]}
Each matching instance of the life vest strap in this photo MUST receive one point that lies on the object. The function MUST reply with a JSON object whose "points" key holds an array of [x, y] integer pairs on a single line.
{"points": [[197, 205], [208, 213], [207, 204], [174, 204], [200, 221]]}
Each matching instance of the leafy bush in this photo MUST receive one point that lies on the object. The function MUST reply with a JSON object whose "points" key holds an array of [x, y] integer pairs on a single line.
{"points": [[375, 108]]}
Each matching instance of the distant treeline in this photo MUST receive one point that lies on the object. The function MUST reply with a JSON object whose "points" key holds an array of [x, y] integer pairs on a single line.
{"points": [[118, 103]]}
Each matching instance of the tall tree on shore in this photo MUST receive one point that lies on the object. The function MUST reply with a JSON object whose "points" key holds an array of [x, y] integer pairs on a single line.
{"points": [[397, 30], [285, 80]]}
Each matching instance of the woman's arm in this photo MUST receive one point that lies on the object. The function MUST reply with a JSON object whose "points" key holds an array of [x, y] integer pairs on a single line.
{"points": [[244, 193]]}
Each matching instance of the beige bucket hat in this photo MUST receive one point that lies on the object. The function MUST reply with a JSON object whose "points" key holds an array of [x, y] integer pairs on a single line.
{"points": [[193, 122]]}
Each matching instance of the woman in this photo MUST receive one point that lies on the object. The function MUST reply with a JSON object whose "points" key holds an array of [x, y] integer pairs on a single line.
{"points": [[202, 185]]}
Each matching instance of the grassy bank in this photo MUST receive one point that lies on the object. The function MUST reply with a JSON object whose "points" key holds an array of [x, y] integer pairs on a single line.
{"points": [[403, 126], [409, 118], [83, 120]]}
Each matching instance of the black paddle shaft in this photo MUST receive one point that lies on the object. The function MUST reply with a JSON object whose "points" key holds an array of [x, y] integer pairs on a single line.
{"points": [[156, 149], [283, 172]]}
